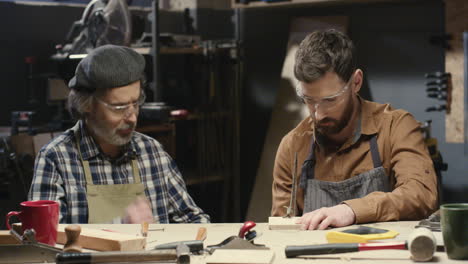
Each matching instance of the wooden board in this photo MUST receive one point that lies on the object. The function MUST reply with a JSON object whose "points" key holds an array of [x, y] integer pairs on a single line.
{"points": [[456, 22], [6, 238], [283, 223], [99, 239], [240, 256], [104, 240]]}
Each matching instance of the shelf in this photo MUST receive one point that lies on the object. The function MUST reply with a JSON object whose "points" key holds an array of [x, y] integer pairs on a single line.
{"points": [[171, 50], [143, 51], [293, 3]]}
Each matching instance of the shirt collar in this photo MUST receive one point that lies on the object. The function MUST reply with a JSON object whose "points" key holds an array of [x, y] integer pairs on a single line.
{"points": [[368, 123], [90, 149]]}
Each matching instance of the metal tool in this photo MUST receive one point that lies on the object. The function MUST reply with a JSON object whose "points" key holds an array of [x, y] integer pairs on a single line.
{"points": [[244, 240], [436, 88], [421, 244], [195, 246], [439, 86], [432, 222], [291, 209], [29, 251], [362, 234]]}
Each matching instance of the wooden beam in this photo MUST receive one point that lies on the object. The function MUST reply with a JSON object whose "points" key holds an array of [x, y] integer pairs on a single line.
{"points": [[456, 21]]}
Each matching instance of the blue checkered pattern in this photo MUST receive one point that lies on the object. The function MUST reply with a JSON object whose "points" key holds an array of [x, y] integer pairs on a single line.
{"points": [[59, 176]]}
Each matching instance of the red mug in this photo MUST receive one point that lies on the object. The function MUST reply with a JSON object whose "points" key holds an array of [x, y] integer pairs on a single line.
{"points": [[42, 216]]}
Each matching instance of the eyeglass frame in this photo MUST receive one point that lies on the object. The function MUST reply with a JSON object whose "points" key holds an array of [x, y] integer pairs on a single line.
{"points": [[304, 99], [125, 107]]}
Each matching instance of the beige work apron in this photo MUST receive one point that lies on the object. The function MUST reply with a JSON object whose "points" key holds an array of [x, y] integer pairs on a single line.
{"points": [[107, 202]]}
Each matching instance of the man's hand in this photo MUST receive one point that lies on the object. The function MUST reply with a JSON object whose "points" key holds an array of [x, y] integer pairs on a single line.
{"points": [[138, 212], [336, 216]]}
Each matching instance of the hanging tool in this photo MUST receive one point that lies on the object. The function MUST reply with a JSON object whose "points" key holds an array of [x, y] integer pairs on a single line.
{"points": [[439, 86], [362, 234], [291, 209], [29, 251], [421, 244]]}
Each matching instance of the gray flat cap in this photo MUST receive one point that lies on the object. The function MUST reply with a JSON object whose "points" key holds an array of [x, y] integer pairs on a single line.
{"points": [[108, 66]]}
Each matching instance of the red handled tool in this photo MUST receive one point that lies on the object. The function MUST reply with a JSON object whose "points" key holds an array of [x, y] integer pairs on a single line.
{"points": [[246, 232], [294, 251]]}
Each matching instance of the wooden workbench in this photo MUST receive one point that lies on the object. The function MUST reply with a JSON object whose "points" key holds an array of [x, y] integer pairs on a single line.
{"points": [[278, 239]]}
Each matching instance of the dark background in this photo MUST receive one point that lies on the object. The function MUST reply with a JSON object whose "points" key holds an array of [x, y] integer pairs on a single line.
{"points": [[393, 50]]}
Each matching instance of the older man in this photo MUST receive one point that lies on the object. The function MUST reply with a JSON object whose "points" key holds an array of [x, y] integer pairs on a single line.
{"points": [[358, 161], [101, 170]]}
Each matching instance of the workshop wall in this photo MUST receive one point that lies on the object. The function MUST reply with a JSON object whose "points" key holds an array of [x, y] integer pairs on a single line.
{"points": [[35, 29], [394, 51]]}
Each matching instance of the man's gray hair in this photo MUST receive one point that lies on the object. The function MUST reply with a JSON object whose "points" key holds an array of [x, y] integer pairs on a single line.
{"points": [[78, 102]]}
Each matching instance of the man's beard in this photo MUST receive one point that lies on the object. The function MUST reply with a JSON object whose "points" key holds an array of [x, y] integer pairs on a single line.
{"points": [[335, 126], [111, 136]]}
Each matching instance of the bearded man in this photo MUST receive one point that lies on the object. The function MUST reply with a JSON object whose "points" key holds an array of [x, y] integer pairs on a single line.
{"points": [[357, 161], [101, 170]]}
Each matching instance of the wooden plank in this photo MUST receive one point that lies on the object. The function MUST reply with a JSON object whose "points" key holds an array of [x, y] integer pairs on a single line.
{"points": [[456, 22], [100, 240], [104, 240], [6, 238], [240, 256], [283, 223]]}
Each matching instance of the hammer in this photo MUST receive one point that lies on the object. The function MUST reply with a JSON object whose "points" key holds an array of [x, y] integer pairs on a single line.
{"points": [[421, 243]]}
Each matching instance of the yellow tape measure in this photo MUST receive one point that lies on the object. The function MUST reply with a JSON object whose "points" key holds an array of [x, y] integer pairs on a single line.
{"points": [[361, 234]]}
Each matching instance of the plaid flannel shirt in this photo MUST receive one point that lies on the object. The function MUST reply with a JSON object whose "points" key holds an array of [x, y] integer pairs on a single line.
{"points": [[59, 176]]}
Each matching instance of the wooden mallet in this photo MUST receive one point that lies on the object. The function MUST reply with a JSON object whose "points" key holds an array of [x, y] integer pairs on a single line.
{"points": [[421, 243]]}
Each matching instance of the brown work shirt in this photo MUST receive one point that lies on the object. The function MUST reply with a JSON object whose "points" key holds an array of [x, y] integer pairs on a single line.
{"points": [[404, 156]]}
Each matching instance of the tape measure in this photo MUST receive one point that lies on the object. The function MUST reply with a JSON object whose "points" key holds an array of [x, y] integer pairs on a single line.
{"points": [[362, 234]]}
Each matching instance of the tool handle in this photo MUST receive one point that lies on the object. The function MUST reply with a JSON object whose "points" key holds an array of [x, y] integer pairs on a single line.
{"points": [[246, 227], [73, 234], [201, 235], [383, 245], [294, 251], [116, 256]]}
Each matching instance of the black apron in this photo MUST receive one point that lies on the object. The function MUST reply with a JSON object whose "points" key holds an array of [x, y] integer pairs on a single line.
{"points": [[318, 194]]}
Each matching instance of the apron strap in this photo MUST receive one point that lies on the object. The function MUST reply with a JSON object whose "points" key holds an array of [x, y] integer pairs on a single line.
{"points": [[87, 169], [308, 167], [136, 173], [374, 148]]}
